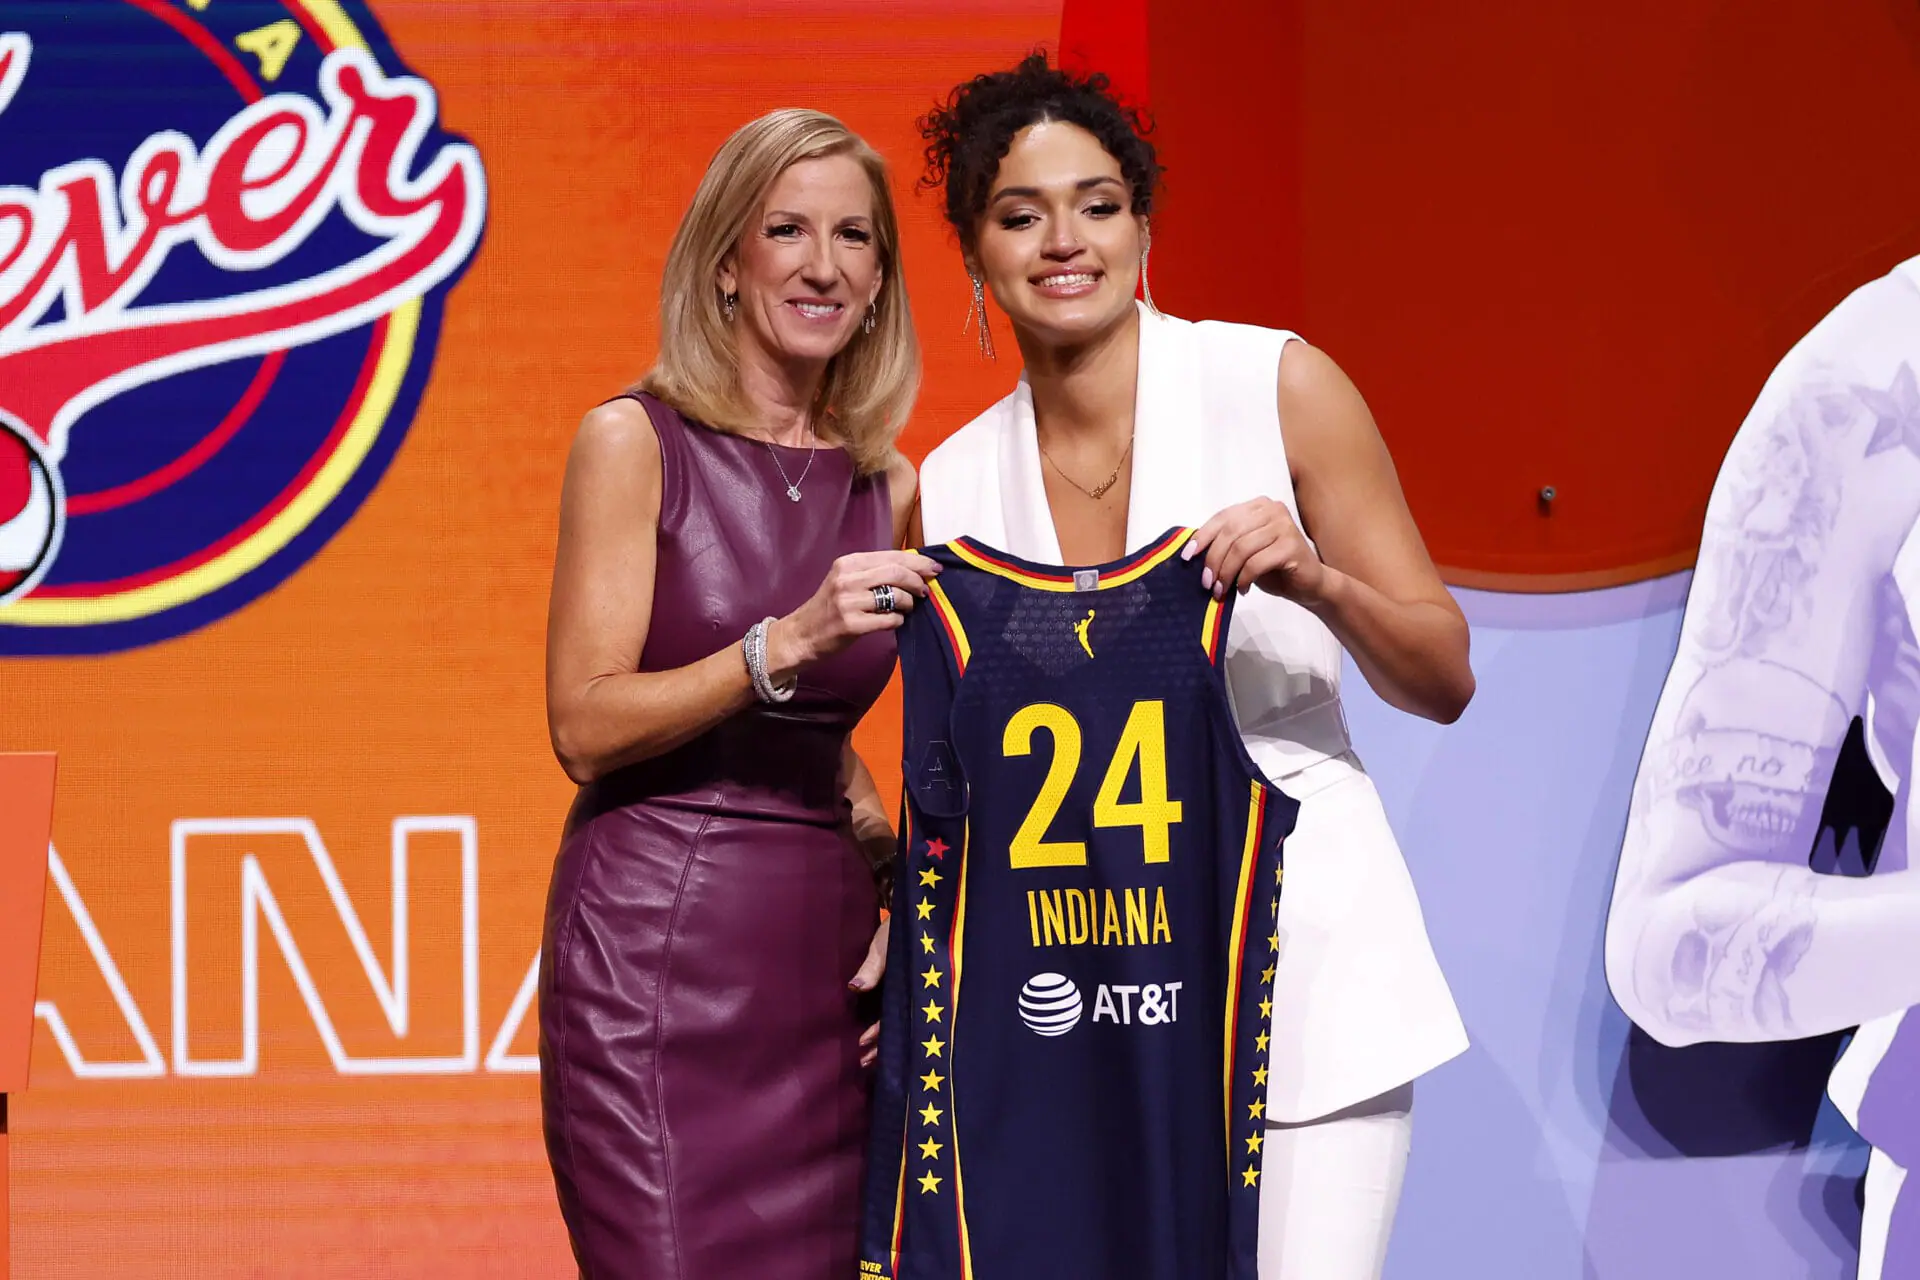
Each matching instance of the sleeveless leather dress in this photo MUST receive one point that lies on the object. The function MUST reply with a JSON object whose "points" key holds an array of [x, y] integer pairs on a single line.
{"points": [[704, 1105]]}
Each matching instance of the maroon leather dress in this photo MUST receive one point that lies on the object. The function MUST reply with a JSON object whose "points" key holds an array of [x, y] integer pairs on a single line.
{"points": [[701, 1088]]}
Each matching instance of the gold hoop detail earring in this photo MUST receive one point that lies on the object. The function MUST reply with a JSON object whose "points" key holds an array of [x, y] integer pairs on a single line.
{"points": [[979, 308], [1146, 285]]}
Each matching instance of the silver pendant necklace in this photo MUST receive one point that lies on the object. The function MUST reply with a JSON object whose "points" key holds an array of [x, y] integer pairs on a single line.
{"points": [[793, 485]]}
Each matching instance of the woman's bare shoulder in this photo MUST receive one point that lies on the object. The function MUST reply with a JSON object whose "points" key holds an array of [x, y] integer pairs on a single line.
{"points": [[618, 432]]}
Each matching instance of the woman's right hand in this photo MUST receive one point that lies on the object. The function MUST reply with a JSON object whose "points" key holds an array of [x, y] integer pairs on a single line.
{"points": [[842, 610]]}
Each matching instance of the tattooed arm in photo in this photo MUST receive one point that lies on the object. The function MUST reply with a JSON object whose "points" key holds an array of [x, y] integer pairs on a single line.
{"points": [[1719, 929]]}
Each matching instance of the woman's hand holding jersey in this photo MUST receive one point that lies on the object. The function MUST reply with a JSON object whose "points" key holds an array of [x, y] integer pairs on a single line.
{"points": [[1256, 543], [848, 605]]}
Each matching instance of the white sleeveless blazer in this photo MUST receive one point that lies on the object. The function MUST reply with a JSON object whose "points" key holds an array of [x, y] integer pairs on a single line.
{"points": [[1360, 1005]]}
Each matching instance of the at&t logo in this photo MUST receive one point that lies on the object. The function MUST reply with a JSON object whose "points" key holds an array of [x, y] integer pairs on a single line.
{"points": [[226, 235], [1051, 1005]]}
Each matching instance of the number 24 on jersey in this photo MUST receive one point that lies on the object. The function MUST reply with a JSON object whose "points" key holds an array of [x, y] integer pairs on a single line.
{"points": [[1142, 750]]}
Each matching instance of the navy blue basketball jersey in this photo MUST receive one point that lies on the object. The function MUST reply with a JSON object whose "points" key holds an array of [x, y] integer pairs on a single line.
{"points": [[1078, 1001]]}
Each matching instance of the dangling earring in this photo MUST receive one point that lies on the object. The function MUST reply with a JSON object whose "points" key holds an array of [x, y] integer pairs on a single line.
{"points": [[1146, 286], [979, 308], [726, 300], [866, 325]]}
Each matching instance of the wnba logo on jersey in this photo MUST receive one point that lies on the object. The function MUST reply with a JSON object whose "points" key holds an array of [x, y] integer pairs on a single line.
{"points": [[1080, 629], [226, 235]]}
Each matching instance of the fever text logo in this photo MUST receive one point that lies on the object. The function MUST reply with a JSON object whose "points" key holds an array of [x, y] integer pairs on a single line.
{"points": [[225, 243]]}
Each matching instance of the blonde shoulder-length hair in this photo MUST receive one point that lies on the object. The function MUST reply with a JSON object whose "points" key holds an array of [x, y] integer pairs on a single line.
{"points": [[870, 385]]}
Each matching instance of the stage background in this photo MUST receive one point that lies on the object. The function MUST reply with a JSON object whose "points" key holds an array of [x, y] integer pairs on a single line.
{"points": [[1553, 250]]}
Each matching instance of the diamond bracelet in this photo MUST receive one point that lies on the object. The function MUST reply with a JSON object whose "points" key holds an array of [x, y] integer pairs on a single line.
{"points": [[754, 646]]}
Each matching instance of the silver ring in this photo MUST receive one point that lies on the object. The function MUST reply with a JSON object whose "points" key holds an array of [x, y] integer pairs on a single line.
{"points": [[883, 600]]}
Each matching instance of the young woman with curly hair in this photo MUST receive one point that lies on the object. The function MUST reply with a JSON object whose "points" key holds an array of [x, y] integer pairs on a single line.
{"points": [[1126, 422]]}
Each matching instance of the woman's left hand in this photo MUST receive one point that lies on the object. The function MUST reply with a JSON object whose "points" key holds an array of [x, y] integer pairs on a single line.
{"points": [[867, 979], [1257, 543]]}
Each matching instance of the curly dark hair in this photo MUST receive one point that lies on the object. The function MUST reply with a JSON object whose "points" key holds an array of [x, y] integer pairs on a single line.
{"points": [[970, 133]]}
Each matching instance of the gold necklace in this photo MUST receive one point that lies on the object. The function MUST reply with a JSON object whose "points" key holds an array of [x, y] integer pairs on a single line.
{"points": [[1098, 491]]}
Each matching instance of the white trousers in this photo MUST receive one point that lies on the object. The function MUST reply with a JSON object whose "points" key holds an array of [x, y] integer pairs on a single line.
{"points": [[1329, 1188]]}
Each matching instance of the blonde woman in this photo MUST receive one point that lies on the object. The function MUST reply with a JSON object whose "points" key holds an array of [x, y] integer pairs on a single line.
{"points": [[723, 600]]}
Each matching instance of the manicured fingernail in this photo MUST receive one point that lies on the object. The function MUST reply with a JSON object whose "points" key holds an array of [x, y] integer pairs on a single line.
{"points": [[1219, 591], [1186, 552], [1206, 578]]}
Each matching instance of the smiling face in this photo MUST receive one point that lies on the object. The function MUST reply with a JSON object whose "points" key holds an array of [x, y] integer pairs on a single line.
{"points": [[807, 267], [1059, 244]]}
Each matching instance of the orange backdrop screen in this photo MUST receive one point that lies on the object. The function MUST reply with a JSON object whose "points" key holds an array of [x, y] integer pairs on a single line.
{"points": [[277, 510], [301, 300]]}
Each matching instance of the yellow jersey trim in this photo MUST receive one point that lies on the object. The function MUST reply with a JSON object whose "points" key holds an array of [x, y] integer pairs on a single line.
{"points": [[1127, 571]]}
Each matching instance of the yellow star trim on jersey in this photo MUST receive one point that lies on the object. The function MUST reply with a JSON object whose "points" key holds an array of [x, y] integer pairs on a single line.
{"points": [[926, 943], [1266, 975], [932, 1079], [1253, 1143], [932, 976], [933, 1011], [929, 1182], [929, 877], [1258, 1110], [926, 909], [1273, 942], [931, 1149], [1266, 1008], [1251, 1178], [1260, 1076], [1278, 874], [930, 1114], [1260, 1042], [933, 1046]]}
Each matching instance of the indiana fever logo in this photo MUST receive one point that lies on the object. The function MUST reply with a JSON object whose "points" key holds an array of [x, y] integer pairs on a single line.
{"points": [[227, 229]]}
